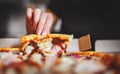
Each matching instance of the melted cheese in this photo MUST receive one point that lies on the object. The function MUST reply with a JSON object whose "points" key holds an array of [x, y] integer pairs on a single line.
{"points": [[9, 57], [10, 71], [31, 70], [46, 46], [88, 67], [65, 65], [37, 58], [56, 48], [29, 49], [50, 54], [49, 47]]}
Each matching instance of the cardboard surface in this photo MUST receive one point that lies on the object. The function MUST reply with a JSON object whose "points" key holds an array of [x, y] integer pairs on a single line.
{"points": [[85, 42], [74, 46], [107, 46], [10, 42]]}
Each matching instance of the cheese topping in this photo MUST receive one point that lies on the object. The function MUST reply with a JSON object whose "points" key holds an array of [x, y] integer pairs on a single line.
{"points": [[8, 58], [29, 49], [65, 64], [37, 58], [89, 67], [45, 46]]}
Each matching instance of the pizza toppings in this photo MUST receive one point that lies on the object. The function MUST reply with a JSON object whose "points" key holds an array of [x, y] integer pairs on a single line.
{"points": [[13, 68], [89, 67], [54, 44], [47, 55], [59, 42], [68, 64], [63, 65]]}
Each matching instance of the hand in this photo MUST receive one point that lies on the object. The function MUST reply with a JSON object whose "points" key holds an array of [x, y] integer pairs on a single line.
{"points": [[38, 22]]}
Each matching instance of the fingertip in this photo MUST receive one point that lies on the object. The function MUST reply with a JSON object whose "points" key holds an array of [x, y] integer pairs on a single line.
{"points": [[37, 10], [44, 14], [44, 33], [29, 12], [50, 16], [38, 30], [29, 8]]}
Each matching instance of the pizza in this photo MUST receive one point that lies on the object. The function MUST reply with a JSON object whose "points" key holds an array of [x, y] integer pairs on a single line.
{"points": [[47, 55], [48, 45], [96, 63]]}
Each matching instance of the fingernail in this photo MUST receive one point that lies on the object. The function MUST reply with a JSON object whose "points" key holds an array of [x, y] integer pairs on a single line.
{"points": [[29, 12]]}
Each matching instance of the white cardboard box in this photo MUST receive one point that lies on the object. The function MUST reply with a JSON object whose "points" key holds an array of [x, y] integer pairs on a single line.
{"points": [[107, 46]]}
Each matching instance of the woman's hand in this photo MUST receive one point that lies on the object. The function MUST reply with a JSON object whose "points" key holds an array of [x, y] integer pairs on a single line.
{"points": [[38, 22]]}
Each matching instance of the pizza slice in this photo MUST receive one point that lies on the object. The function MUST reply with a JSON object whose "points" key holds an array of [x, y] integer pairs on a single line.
{"points": [[12, 62], [86, 63], [7, 55], [47, 45], [91, 62]]}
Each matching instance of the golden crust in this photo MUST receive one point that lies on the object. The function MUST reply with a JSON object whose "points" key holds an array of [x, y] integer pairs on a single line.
{"points": [[93, 53], [27, 38], [9, 49]]}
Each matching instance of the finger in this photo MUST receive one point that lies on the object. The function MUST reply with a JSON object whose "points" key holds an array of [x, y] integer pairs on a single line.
{"points": [[36, 17], [48, 24], [41, 23], [29, 15], [29, 21]]}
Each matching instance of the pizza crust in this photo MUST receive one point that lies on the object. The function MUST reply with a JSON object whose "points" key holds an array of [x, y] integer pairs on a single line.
{"points": [[10, 49], [27, 38]]}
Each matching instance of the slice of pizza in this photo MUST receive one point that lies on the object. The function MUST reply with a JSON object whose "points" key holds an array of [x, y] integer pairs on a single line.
{"points": [[63, 65], [47, 45], [91, 62], [73, 63], [12, 62], [86, 63], [7, 55]]}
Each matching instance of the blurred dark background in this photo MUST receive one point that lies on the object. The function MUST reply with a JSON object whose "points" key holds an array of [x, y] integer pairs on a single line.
{"points": [[100, 18], [12, 11]]}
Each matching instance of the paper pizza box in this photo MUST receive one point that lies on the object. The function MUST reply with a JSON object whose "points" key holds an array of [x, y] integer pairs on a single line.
{"points": [[108, 46]]}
